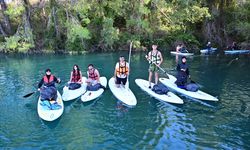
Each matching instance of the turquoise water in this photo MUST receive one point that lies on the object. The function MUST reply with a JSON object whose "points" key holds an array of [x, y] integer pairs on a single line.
{"points": [[106, 124]]}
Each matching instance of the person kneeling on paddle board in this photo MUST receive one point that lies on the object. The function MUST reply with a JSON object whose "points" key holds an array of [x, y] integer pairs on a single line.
{"points": [[93, 80], [48, 91], [121, 72], [75, 78], [183, 73], [155, 60]]}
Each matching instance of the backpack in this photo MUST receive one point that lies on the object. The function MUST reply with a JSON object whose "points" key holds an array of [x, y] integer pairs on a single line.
{"points": [[160, 89], [192, 87], [48, 93], [73, 86]]}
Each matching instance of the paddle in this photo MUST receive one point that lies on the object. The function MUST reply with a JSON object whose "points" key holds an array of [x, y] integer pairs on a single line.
{"points": [[165, 72], [130, 48], [28, 95]]}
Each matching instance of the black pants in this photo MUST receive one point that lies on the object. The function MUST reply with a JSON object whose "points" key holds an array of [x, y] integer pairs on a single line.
{"points": [[121, 80], [181, 79]]}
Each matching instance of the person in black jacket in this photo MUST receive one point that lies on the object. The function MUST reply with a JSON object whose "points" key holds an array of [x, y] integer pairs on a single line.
{"points": [[48, 92], [183, 73]]}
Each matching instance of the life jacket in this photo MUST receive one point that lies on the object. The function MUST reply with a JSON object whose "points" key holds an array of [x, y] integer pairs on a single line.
{"points": [[155, 58], [46, 80], [75, 76], [93, 75], [122, 69]]}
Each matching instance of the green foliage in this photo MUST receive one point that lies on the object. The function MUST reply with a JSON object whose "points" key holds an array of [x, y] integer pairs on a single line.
{"points": [[107, 25], [76, 36], [12, 43], [238, 19], [109, 34], [14, 11], [16, 44], [77, 31]]}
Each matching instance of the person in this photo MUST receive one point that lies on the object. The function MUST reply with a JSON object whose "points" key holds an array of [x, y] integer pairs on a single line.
{"points": [[48, 92], [183, 49], [76, 75], [182, 73], [121, 72], [234, 46], [178, 48], [75, 78], [93, 75], [208, 46], [155, 60]]}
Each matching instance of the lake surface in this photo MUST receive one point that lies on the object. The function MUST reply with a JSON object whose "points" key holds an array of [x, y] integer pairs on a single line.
{"points": [[107, 124]]}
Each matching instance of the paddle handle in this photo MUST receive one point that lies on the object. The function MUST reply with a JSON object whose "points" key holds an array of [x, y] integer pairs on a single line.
{"points": [[129, 56]]}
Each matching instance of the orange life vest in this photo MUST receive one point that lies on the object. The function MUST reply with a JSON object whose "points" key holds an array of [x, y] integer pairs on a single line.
{"points": [[122, 69]]}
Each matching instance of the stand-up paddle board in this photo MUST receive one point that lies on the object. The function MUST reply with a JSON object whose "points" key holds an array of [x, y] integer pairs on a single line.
{"points": [[123, 94], [169, 97], [198, 95], [73, 94], [91, 95], [49, 111]]}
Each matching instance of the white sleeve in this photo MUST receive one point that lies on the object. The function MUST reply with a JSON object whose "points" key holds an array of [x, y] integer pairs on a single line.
{"points": [[117, 65]]}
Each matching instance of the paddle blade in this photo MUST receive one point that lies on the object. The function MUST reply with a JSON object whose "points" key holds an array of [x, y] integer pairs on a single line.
{"points": [[166, 75], [28, 95]]}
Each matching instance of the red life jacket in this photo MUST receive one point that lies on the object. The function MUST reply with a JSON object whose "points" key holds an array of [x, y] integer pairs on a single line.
{"points": [[46, 80], [75, 76], [93, 75]]}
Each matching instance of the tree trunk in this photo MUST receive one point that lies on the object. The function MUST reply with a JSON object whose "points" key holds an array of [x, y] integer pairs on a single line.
{"points": [[55, 22], [2, 31], [6, 21], [26, 23]]}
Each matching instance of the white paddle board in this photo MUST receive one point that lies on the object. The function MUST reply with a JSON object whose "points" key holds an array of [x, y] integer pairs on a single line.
{"points": [[46, 113], [91, 95], [169, 97], [123, 94]]}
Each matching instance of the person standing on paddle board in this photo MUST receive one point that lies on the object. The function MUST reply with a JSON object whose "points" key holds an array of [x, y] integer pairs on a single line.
{"points": [[121, 72], [48, 92], [93, 75], [155, 60], [183, 73]]}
